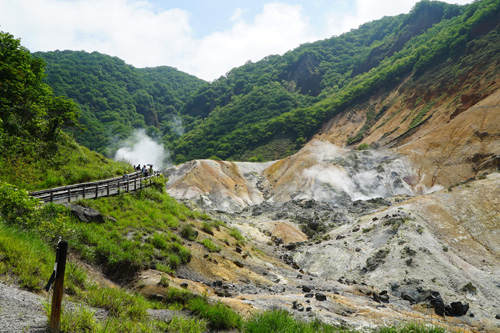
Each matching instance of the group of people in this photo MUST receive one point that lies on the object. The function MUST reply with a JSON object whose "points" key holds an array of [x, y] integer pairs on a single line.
{"points": [[145, 171]]}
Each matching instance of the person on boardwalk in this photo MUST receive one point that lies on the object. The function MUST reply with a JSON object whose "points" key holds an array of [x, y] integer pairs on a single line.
{"points": [[125, 176]]}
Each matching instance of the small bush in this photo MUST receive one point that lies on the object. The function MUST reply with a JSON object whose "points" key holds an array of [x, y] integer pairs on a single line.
{"points": [[210, 246], [159, 241], [17, 207], [470, 288], [164, 281], [237, 235], [207, 227], [189, 232]]}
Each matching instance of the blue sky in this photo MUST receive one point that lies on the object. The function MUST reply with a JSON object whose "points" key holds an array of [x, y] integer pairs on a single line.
{"points": [[203, 38]]}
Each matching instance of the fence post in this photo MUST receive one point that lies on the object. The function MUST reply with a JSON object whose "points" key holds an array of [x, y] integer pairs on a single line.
{"points": [[107, 189], [84, 191], [69, 195], [97, 190], [51, 196], [55, 313]]}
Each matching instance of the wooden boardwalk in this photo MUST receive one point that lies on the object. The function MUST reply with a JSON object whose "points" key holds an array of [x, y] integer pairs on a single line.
{"points": [[93, 190]]}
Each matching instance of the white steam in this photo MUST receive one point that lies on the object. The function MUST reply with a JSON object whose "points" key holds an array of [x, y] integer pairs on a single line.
{"points": [[176, 125], [356, 175], [141, 149]]}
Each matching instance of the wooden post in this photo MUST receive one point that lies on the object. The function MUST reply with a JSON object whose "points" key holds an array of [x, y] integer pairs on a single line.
{"points": [[97, 190], [128, 185], [55, 313], [69, 195], [84, 191], [107, 189], [51, 196]]}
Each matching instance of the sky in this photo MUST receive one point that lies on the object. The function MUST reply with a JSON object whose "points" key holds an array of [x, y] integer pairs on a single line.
{"points": [[205, 38]]}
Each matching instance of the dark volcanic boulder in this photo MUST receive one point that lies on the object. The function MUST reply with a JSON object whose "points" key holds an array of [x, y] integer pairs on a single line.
{"points": [[85, 214], [457, 309]]}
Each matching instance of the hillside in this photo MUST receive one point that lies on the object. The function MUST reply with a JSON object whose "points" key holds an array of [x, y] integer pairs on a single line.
{"points": [[385, 54], [116, 98], [269, 109]]}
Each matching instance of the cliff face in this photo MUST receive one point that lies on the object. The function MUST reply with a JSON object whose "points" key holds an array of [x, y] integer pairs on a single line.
{"points": [[445, 120]]}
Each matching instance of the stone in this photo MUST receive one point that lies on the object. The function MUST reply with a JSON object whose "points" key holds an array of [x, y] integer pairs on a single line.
{"points": [[238, 249], [184, 285], [306, 289], [382, 297], [439, 307], [459, 309], [238, 263], [320, 297], [156, 297], [497, 316], [308, 295], [85, 214], [407, 297]]}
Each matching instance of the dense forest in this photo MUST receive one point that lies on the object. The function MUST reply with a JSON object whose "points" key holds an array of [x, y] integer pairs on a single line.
{"points": [[267, 109], [116, 98]]}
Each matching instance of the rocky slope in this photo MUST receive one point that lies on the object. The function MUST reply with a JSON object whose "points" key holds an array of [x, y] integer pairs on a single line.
{"points": [[351, 225]]}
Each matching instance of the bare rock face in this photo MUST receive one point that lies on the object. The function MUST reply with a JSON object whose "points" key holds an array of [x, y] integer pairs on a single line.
{"points": [[217, 185], [320, 172], [447, 241]]}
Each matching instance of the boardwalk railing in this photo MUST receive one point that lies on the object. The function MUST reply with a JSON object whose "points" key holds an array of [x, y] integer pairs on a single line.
{"points": [[94, 190]]}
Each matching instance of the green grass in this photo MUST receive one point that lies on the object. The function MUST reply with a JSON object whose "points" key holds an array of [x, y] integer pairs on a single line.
{"points": [[411, 328], [70, 164], [281, 321], [26, 259], [186, 325], [210, 246], [218, 315], [237, 235]]}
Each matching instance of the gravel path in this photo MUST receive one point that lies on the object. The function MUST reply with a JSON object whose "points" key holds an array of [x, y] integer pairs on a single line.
{"points": [[21, 311]]}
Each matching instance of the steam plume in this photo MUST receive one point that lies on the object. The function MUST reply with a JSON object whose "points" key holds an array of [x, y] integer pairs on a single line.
{"points": [[140, 148]]}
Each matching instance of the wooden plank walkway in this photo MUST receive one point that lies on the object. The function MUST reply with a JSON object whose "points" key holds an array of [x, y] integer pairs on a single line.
{"points": [[93, 190]]}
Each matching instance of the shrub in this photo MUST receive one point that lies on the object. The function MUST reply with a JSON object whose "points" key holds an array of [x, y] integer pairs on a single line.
{"points": [[188, 232], [210, 246], [207, 227], [17, 207], [237, 235]]}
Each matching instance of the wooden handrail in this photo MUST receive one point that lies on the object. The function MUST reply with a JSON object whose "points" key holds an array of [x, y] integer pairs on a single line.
{"points": [[108, 187]]}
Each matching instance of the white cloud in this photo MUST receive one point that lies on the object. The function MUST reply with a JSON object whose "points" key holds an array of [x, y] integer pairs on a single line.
{"points": [[279, 28], [143, 35], [369, 10]]}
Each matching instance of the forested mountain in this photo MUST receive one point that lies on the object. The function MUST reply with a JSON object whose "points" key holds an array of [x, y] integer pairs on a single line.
{"points": [[116, 98], [270, 108]]}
